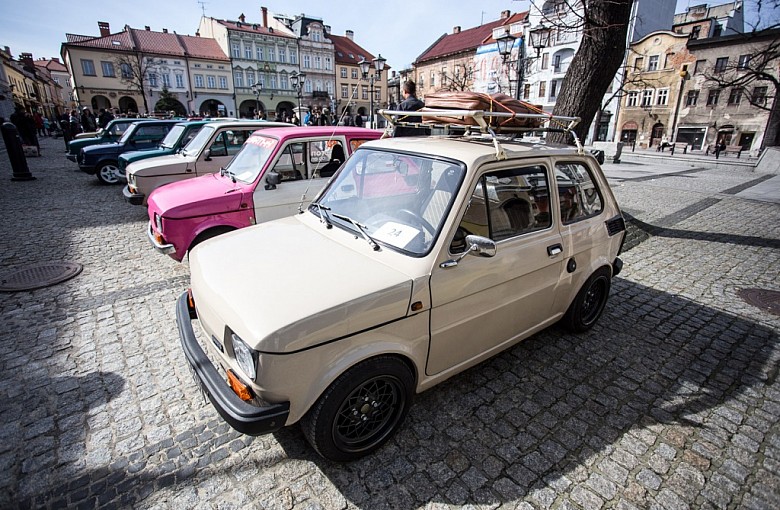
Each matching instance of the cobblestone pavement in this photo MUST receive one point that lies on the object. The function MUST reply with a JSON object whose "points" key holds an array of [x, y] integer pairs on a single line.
{"points": [[672, 401]]}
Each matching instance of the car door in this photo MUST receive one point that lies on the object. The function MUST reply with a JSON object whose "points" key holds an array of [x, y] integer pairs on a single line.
{"points": [[299, 164], [482, 304], [225, 144]]}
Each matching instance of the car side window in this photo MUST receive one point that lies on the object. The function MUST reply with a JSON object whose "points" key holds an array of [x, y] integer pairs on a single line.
{"points": [[506, 204], [150, 133], [290, 165], [235, 139], [219, 146], [578, 195]]}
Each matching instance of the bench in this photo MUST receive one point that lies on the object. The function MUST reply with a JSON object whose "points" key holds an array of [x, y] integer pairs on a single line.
{"points": [[679, 146], [733, 149]]}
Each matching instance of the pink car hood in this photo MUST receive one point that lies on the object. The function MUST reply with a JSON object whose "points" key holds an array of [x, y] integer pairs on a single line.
{"points": [[205, 195]]}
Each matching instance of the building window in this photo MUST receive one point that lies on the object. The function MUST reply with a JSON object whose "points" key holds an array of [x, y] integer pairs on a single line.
{"points": [[638, 63], [712, 97], [327, 64], [108, 69], [166, 79], [317, 62], [542, 89], [127, 71], [344, 91], [553, 89], [223, 82], [721, 63], [433, 78], [236, 49], [735, 96], [698, 67], [695, 32], [662, 97], [250, 78], [199, 81], [647, 97], [545, 60], [633, 98], [422, 82], [283, 82], [557, 63], [88, 67], [354, 74], [293, 56], [271, 55], [179, 81], [152, 79], [211, 82], [259, 53], [717, 30], [343, 72], [652, 63], [744, 62], [759, 95], [526, 91], [364, 92], [306, 61], [693, 96], [282, 55], [330, 88], [238, 79], [247, 51]]}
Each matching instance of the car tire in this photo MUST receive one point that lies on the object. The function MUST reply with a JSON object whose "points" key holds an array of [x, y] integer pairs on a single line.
{"points": [[108, 173], [589, 303], [361, 410]]}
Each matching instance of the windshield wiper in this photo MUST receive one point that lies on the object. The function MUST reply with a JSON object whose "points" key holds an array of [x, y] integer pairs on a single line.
{"points": [[324, 218], [361, 228]]}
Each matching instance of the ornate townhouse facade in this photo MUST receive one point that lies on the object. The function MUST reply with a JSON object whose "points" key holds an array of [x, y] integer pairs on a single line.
{"points": [[316, 61], [63, 91], [352, 90], [131, 70], [263, 56], [25, 85]]}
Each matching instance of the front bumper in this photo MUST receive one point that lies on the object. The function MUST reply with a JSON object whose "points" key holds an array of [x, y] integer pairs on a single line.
{"points": [[133, 198], [243, 417], [87, 169], [165, 249]]}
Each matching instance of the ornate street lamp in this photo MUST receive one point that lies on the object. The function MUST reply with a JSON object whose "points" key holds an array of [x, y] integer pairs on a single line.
{"points": [[297, 80], [257, 88], [538, 38], [365, 67]]}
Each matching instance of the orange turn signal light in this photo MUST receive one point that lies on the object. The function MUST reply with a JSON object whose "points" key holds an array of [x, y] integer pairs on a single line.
{"points": [[190, 300], [239, 388]]}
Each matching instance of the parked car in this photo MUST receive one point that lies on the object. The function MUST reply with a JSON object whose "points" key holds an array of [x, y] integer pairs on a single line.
{"points": [[177, 138], [420, 258], [211, 149], [299, 161], [112, 132], [102, 160]]}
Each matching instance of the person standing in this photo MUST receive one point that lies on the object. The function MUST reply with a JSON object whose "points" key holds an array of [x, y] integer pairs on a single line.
{"points": [[410, 104], [104, 118], [88, 121], [46, 126]]}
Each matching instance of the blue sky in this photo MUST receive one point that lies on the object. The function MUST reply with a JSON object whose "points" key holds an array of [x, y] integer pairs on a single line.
{"points": [[398, 29]]}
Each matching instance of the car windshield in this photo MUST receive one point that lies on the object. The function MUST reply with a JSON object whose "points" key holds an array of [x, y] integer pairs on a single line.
{"points": [[252, 158], [169, 142], [196, 144], [400, 200]]}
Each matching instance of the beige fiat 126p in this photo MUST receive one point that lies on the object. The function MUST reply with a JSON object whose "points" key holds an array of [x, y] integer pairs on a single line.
{"points": [[419, 259]]}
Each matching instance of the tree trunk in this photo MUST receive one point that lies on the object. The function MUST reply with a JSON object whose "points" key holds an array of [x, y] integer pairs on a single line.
{"points": [[595, 64]]}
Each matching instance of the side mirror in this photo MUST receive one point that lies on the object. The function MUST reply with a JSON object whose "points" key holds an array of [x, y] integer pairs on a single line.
{"points": [[475, 245], [207, 155], [272, 179]]}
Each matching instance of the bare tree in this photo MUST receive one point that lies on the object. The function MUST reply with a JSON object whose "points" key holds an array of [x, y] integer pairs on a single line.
{"points": [[757, 79], [134, 71], [604, 25], [461, 80]]}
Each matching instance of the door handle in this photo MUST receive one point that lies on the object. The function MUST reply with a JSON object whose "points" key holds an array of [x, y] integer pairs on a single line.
{"points": [[555, 249]]}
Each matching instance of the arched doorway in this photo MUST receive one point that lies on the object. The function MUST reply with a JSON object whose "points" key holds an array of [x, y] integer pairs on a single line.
{"points": [[128, 105], [212, 108], [284, 111], [99, 102], [247, 109], [170, 104], [656, 134], [628, 133]]}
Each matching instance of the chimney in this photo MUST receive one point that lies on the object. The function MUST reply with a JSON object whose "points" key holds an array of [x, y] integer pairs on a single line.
{"points": [[504, 14], [27, 60], [56, 59], [242, 18], [456, 30], [350, 35], [265, 16], [165, 30], [197, 33], [105, 31], [146, 27]]}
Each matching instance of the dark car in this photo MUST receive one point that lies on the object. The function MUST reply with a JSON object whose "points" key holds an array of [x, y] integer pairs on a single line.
{"points": [[102, 160], [111, 133]]}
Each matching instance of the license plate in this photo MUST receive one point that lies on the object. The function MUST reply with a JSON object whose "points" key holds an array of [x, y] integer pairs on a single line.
{"points": [[198, 383]]}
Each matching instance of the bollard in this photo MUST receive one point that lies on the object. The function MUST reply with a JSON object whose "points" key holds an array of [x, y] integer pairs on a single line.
{"points": [[15, 153]]}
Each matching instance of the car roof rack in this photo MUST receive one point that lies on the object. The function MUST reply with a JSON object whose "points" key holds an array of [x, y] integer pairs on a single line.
{"points": [[487, 122]]}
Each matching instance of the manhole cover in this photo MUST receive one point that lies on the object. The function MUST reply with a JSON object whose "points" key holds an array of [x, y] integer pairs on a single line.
{"points": [[768, 300], [39, 275]]}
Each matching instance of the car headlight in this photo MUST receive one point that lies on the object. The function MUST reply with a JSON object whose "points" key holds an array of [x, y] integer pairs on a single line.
{"points": [[158, 222], [245, 357]]}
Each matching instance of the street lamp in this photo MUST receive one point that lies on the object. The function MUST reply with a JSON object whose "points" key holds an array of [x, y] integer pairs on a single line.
{"points": [[297, 80], [365, 67], [257, 88], [538, 38]]}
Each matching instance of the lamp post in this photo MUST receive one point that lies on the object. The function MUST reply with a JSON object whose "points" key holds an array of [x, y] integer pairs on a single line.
{"points": [[257, 88], [538, 38], [297, 80], [365, 67]]}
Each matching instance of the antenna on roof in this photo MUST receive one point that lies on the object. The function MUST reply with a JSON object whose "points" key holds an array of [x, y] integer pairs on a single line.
{"points": [[203, 7]]}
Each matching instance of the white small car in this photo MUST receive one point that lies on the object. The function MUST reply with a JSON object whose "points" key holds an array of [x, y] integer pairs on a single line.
{"points": [[421, 258], [211, 149]]}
